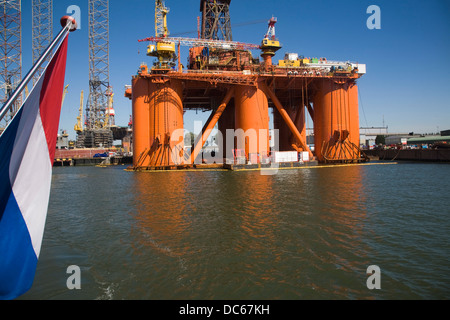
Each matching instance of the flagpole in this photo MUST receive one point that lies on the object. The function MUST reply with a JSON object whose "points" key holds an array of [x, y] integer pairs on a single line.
{"points": [[69, 24]]}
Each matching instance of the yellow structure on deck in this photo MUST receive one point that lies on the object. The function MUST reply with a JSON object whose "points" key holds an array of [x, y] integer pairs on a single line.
{"points": [[270, 45], [163, 50]]}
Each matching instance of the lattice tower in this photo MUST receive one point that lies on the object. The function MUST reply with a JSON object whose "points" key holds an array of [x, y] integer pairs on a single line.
{"points": [[10, 54]]}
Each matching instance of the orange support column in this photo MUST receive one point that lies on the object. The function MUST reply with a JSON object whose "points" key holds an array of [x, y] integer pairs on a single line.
{"points": [[353, 109], [157, 113], [323, 110], [336, 121], [252, 122], [226, 122], [299, 121], [141, 118]]}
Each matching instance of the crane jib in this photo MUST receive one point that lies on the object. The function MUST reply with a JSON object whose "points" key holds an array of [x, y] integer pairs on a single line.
{"points": [[204, 42]]}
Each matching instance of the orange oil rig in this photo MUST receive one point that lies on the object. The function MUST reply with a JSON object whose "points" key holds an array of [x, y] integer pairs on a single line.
{"points": [[224, 78]]}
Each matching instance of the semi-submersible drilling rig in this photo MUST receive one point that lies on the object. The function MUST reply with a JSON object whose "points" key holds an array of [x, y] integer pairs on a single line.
{"points": [[223, 77]]}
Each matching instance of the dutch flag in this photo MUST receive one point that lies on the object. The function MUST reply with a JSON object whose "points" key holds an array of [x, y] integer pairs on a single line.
{"points": [[27, 148]]}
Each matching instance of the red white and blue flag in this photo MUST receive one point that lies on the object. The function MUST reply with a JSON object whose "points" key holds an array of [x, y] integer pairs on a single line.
{"points": [[27, 149]]}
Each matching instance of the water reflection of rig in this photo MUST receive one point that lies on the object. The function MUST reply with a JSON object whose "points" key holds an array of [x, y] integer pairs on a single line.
{"points": [[224, 78]]}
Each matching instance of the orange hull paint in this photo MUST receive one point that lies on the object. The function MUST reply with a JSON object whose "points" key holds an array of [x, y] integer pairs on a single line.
{"points": [[157, 114], [252, 117], [336, 121]]}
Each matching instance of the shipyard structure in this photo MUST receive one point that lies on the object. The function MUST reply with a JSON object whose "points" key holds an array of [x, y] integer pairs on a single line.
{"points": [[239, 84]]}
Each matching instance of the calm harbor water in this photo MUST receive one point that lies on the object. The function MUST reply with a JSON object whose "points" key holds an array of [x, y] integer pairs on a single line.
{"points": [[299, 234]]}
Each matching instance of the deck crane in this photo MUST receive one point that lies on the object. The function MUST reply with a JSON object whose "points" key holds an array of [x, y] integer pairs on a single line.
{"points": [[164, 47], [164, 50], [270, 44]]}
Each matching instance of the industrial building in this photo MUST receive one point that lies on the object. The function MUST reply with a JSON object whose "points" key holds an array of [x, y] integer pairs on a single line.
{"points": [[428, 140], [417, 139], [368, 135]]}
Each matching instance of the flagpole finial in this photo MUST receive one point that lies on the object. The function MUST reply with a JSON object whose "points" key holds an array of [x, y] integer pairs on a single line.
{"points": [[66, 19]]}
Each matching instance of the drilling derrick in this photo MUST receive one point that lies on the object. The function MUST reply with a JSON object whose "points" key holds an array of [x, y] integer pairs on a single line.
{"points": [[97, 133], [10, 54], [42, 30], [216, 23]]}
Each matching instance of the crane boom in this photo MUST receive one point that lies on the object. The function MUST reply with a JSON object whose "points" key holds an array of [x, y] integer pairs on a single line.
{"points": [[64, 94], [194, 42], [79, 126], [161, 12]]}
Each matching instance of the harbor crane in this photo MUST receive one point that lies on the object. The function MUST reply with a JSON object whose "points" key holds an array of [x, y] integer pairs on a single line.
{"points": [[79, 125]]}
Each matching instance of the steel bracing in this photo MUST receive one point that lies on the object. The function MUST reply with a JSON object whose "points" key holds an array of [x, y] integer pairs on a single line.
{"points": [[98, 64], [97, 132], [10, 54], [216, 23], [42, 29]]}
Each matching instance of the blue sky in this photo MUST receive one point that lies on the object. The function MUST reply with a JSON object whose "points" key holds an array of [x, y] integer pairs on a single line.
{"points": [[408, 59]]}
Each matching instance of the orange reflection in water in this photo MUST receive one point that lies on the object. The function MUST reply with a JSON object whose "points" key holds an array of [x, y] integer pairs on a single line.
{"points": [[259, 227], [160, 201], [343, 217], [258, 207]]}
